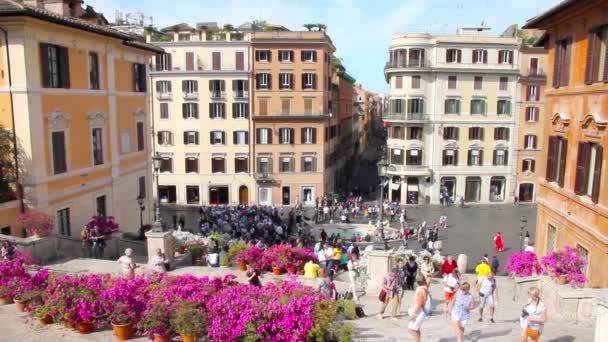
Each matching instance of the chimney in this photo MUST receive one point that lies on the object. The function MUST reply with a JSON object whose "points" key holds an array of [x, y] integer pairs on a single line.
{"points": [[66, 8]]}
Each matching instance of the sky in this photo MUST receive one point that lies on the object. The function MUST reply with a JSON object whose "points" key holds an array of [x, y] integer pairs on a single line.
{"points": [[360, 29]]}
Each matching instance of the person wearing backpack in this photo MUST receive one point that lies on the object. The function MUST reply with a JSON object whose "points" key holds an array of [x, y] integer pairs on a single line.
{"points": [[487, 293], [460, 309], [420, 307]]}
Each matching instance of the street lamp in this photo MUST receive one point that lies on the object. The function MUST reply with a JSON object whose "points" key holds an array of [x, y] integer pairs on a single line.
{"points": [[522, 225], [142, 207], [382, 168], [157, 226]]}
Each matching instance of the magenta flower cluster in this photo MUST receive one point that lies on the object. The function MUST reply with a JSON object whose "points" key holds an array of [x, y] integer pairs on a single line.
{"points": [[36, 222], [282, 256], [566, 262], [523, 264], [106, 224], [15, 279]]}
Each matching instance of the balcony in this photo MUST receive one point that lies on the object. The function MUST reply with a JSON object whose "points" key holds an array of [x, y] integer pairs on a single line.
{"points": [[409, 170], [263, 177], [218, 95], [240, 94], [534, 75], [410, 117], [216, 36], [191, 96], [164, 96], [416, 64]]}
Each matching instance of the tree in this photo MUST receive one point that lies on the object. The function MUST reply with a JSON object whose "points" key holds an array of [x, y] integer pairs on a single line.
{"points": [[228, 28], [8, 167], [321, 27], [309, 27]]}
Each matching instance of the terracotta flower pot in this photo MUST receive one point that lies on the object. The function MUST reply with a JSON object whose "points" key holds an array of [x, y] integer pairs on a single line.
{"points": [[84, 327], [561, 280], [188, 338], [46, 320], [242, 266], [277, 270], [161, 338], [123, 332], [20, 305], [292, 269], [41, 233], [69, 324], [5, 301]]}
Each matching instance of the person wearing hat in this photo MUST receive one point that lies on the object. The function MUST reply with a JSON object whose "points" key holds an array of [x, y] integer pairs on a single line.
{"points": [[483, 268], [391, 285]]}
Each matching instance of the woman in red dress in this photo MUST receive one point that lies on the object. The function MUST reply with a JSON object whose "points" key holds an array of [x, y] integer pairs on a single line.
{"points": [[499, 243]]}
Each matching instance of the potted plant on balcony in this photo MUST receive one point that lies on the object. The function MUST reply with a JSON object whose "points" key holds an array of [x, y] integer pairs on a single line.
{"points": [[155, 322], [36, 223], [189, 320], [44, 314], [196, 250], [251, 256], [233, 253], [565, 266], [31, 290]]}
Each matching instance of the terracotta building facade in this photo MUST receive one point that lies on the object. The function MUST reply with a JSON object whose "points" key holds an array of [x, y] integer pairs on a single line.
{"points": [[573, 201]]}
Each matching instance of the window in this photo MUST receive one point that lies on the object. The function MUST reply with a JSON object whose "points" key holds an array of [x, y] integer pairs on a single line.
{"points": [[125, 142], [308, 106], [264, 136], [164, 138], [286, 135], [416, 82], [309, 164], [475, 158], [528, 165], [476, 133], [217, 138], [216, 60], [190, 110], [263, 80], [472, 189], [217, 88], [397, 132], [192, 194], [139, 77], [63, 222], [190, 138], [262, 55], [450, 157], [414, 157], [97, 145], [240, 137], [285, 106], [505, 57], [309, 135], [217, 110], [240, 88], [503, 83], [503, 107], [309, 56], [397, 156], [501, 133], [398, 82], [163, 62], [100, 205], [239, 60], [191, 165], [166, 165], [309, 81], [452, 82], [561, 65], [286, 164], [478, 83], [532, 114], [141, 188], [414, 133], [530, 142], [415, 106], [285, 81], [450, 133], [500, 158], [241, 165], [164, 110], [397, 106], [139, 126], [556, 159], [452, 106], [163, 87], [480, 56], [55, 66], [453, 56], [285, 56], [262, 106], [189, 87], [597, 64], [218, 165], [497, 189], [58, 151], [478, 106], [264, 165], [167, 193], [533, 68], [240, 110], [416, 58], [532, 93], [551, 238], [183, 37], [333, 131], [584, 254], [589, 170], [93, 70]]}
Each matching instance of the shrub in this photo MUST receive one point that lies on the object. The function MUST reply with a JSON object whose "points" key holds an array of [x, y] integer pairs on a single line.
{"points": [[189, 319], [106, 224], [235, 250], [523, 264], [36, 222], [566, 262]]}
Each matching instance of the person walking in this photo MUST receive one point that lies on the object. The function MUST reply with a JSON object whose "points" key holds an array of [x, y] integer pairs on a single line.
{"points": [[499, 243], [127, 265], [323, 284], [483, 268], [487, 293], [160, 261], [427, 269], [352, 274], [99, 243], [534, 316], [87, 243], [391, 286], [460, 309], [401, 271], [449, 265], [412, 270], [416, 311], [495, 264], [450, 286]]}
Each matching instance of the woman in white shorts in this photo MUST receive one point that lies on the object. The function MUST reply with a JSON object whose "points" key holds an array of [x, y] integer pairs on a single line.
{"points": [[460, 309], [416, 312]]}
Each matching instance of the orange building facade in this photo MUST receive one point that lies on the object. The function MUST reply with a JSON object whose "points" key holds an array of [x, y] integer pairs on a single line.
{"points": [[573, 196]]}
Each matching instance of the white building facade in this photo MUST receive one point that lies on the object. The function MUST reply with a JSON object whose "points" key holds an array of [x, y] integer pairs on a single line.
{"points": [[452, 119]]}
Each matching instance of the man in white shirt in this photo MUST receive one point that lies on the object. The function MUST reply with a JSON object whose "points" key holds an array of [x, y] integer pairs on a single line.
{"points": [[321, 257], [488, 294], [329, 256]]}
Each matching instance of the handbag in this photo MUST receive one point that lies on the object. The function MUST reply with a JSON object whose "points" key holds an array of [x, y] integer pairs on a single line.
{"points": [[382, 295], [428, 305]]}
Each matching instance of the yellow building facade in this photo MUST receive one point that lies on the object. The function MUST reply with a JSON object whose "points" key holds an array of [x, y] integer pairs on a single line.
{"points": [[75, 94]]}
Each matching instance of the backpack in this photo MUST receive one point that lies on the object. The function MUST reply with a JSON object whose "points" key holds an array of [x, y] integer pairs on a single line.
{"points": [[428, 307]]}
